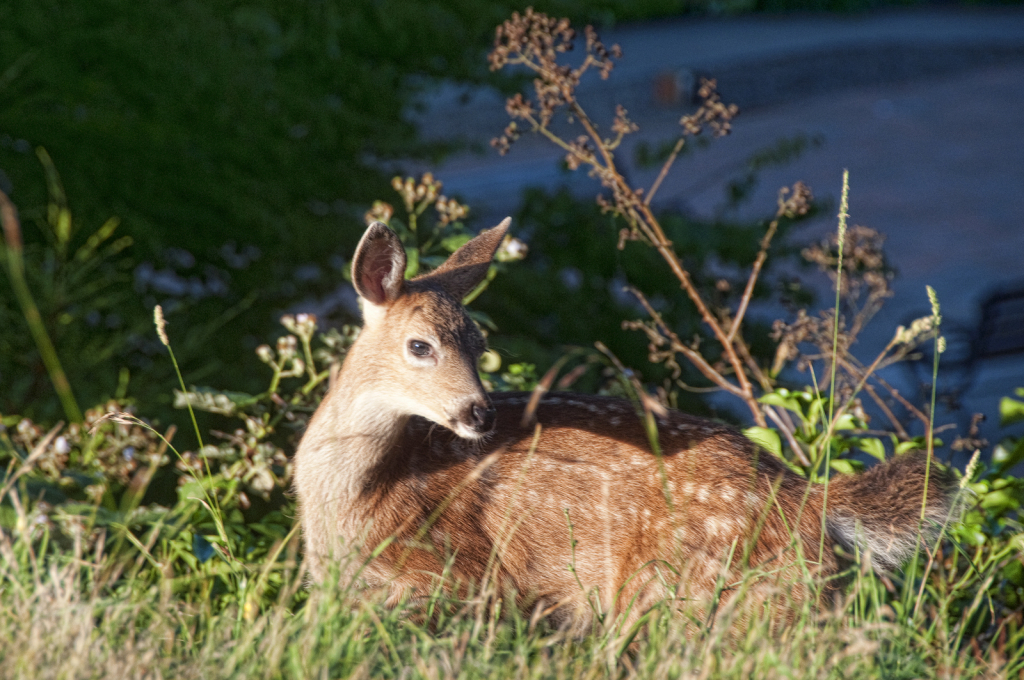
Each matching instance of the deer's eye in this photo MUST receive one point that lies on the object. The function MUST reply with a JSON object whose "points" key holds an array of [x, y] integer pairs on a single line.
{"points": [[419, 348]]}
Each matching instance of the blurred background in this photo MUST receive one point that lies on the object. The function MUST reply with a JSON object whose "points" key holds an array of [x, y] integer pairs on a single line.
{"points": [[217, 158]]}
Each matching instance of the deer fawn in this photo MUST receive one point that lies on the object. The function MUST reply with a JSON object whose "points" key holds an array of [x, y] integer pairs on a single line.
{"points": [[374, 465]]}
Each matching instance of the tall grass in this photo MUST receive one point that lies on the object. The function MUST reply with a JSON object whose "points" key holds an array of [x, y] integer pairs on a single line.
{"points": [[55, 623]]}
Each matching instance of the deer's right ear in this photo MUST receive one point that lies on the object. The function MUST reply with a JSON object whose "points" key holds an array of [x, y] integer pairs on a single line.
{"points": [[378, 267]]}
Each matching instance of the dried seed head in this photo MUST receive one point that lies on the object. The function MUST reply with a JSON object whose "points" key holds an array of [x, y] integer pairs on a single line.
{"points": [[535, 40], [161, 325], [379, 212], [933, 298], [415, 192], [795, 201], [580, 152], [711, 113], [449, 210], [971, 467], [918, 330], [622, 125], [504, 142]]}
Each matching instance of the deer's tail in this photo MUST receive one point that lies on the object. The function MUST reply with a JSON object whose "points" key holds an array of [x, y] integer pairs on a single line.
{"points": [[879, 512]]}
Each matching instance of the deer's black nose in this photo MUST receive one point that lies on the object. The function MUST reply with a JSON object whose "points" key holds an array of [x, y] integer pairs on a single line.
{"points": [[482, 417]]}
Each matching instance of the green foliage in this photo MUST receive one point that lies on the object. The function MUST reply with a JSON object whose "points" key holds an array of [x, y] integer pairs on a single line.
{"points": [[236, 142], [999, 493], [78, 279]]}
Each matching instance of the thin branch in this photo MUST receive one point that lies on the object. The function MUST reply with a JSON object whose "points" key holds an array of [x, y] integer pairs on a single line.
{"points": [[695, 357], [755, 370], [664, 169], [790, 439], [856, 390], [664, 247], [887, 411], [845, 363], [657, 236], [748, 292]]}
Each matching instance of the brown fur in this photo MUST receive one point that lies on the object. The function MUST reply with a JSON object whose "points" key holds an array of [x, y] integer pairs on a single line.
{"points": [[375, 465]]}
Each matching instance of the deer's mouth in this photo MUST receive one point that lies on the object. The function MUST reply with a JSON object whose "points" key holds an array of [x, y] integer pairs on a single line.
{"points": [[476, 420]]}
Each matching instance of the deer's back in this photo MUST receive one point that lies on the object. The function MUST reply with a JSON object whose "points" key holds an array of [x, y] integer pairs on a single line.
{"points": [[590, 477]]}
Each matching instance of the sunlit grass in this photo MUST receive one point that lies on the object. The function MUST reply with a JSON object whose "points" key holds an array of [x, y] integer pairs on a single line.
{"points": [[55, 623]]}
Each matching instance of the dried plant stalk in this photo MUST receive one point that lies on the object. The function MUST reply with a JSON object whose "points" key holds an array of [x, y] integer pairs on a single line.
{"points": [[535, 41]]}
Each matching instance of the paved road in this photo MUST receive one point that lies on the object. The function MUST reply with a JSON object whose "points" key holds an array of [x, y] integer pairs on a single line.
{"points": [[926, 110]]}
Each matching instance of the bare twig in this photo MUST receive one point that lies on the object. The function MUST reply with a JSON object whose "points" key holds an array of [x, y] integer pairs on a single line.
{"points": [[868, 372], [679, 346], [664, 170], [900, 430]]}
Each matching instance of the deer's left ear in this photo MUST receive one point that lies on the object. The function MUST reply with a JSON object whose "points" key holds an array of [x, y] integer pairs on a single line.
{"points": [[467, 267]]}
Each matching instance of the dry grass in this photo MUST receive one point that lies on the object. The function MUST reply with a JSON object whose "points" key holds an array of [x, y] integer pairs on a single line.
{"points": [[56, 623]]}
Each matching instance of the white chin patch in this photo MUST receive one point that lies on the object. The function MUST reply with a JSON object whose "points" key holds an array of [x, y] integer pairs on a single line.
{"points": [[466, 432]]}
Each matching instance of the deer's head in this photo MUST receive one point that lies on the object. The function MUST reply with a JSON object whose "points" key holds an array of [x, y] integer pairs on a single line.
{"points": [[418, 347]]}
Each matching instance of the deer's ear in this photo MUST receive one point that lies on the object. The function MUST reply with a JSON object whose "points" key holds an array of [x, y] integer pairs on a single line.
{"points": [[378, 268], [468, 265]]}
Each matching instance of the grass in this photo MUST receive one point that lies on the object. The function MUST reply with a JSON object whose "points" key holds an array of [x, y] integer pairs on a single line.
{"points": [[57, 621]]}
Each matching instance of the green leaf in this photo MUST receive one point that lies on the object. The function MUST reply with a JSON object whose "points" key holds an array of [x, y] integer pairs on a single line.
{"points": [[846, 422], [412, 262], [847, 467], [873, 447], [1010, 411], [482, 319], [783, 401], [766, 438], [904, 447], [454, 242], [999, 500], [1009, 453]]}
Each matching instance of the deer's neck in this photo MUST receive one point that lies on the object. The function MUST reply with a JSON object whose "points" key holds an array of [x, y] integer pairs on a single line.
{"points": [[357, 430]]}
